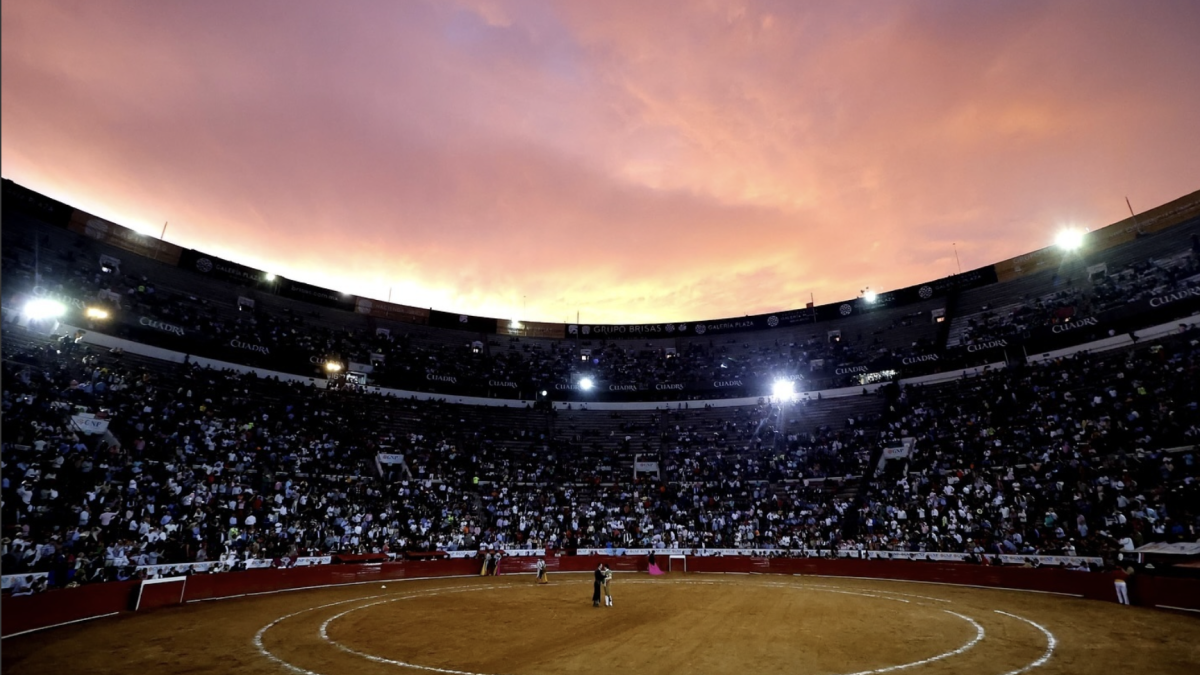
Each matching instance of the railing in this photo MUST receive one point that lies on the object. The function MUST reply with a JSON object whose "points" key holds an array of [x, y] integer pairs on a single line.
{"points": [[58, 607]]}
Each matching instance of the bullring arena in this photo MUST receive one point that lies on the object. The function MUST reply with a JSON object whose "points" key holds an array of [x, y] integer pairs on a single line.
{"points": [[195, 483], [677, 623]]}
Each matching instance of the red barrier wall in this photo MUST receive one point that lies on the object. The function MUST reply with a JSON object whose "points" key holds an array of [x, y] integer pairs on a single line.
{"points": [[61, 606], [211, 586], [1165, 592]]}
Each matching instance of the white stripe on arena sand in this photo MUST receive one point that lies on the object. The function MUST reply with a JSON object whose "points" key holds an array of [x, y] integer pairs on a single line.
{"points": [[1051, 642], [943, 583], [258, 637], [65, 623], [1182, 609], [979, 633], [323, 633], [352, 583]]}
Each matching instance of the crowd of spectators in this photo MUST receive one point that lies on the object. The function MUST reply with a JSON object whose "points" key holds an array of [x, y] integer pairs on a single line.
{"points": [[1064, 457], [1081, 296], [222, 467], [201, 465]]}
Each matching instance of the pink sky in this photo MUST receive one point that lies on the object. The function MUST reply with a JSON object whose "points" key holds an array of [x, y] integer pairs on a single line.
{"points": [[632, 160]]}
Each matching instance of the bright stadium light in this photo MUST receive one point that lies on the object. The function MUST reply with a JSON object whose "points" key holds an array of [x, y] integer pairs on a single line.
{"points": [[43, 308], [333, 366], [1069, 240], [784, 390], [545, 393], [586, 384], [869, 295], [96, 313], [269, 277]]}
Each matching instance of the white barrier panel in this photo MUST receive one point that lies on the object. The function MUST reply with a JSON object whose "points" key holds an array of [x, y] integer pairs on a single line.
{"points": [[9, 580], [157, 571]]}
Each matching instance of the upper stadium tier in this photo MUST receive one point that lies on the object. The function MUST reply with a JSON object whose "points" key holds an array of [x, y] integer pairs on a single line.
{"points": [[64, 269]]}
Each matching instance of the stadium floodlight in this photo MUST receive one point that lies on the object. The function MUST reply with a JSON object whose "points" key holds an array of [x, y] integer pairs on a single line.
{"points": [[545, 393], [586, 384], [784, 390], [44, 308], [333, 367], [1069, 240], [869, 295], [96, 313], [269, 277]]}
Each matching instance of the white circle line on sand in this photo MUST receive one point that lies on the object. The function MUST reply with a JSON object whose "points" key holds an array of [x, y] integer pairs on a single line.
{"points": [[1051, 643], [262, 649], [979, 633], [324, 634], [912, 595], [258, 637]]}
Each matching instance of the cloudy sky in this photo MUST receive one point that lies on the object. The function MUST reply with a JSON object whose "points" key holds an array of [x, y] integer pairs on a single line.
{"points": [[630, 160]]}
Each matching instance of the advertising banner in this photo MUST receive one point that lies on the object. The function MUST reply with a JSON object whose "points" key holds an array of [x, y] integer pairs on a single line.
{"points": [[391, 311], [533, 329], [20, 199], [162, 327], [298, 290], [475, 324], [89, 424], [219, 268], [122, 237], [989, 351]]}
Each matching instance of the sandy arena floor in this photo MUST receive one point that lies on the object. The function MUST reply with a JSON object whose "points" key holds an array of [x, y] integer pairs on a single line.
{"points": [[674, 625]]}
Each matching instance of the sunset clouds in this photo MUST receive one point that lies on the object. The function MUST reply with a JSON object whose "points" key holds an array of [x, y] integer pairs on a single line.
{"points": [[633, 161]]}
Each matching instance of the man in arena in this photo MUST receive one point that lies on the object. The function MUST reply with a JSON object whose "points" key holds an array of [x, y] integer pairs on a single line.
{"points": [[607, 581], [597, 583], [542, 577]]}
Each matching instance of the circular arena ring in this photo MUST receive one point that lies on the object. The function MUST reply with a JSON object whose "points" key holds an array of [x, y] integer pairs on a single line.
{"points": [[696, 624]]}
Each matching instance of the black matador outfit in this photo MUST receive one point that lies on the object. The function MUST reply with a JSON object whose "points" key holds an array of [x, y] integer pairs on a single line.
{"points": [[599, 581]]}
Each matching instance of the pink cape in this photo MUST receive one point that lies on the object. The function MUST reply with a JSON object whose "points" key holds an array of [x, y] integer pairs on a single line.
{"points": [[654, 571]]}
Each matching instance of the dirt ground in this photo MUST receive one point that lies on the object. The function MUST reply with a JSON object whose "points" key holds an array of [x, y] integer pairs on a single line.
{"points": [[678, 624]]}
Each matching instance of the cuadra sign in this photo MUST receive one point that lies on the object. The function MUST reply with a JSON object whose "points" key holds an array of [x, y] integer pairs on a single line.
{"points": [[43, 292], [1161, 300], [238, 344], [161, 325], [1075, 325], [990, 344]]}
